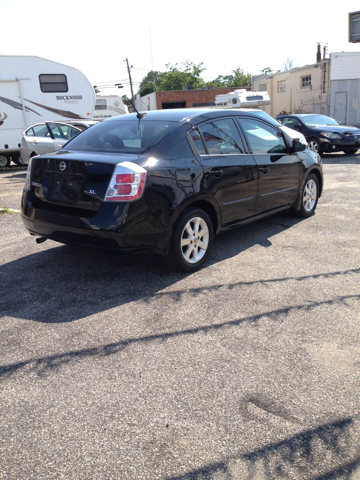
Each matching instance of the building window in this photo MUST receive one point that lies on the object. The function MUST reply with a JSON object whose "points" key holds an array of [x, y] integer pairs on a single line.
{"points": [[281, 86], [100, 104], [166, 105], [53, 83], [306, 81], [262, 87]]}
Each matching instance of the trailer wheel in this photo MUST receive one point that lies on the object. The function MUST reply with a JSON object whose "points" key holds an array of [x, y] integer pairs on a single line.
{"points": [[4, 160]]}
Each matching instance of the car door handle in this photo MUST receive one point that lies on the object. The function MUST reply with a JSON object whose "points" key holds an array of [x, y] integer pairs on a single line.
{"points": [[34, 142], [264, 169], [215, 172]]}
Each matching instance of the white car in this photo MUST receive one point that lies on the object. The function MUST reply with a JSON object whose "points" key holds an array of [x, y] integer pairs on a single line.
{"points": [[45, 138]]}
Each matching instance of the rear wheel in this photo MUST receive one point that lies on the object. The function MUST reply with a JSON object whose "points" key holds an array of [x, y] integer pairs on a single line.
{"points": [[191, 242], [4, 160], [310, 196], [15, 157]]}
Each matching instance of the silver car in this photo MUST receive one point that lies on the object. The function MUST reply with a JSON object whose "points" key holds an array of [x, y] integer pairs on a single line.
{"points": [[45, 138]]}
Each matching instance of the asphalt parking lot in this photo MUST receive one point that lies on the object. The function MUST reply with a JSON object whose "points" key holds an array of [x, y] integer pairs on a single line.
{"points": [[117, 368]]}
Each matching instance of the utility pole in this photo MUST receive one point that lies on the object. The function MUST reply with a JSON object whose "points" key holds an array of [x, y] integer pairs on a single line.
{"points": [[152, 63], [132, 92]]}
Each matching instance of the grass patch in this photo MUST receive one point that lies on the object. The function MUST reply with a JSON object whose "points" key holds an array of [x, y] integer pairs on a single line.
{"points": [[8, 169], [4, 210]]}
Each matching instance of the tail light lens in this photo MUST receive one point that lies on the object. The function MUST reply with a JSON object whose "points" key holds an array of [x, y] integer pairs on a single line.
{"points": [[127, 183], [28, 176]]}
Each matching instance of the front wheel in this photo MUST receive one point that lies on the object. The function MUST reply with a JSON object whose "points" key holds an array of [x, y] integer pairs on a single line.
{"points": [[309, 197], [191, 242], [314, 145]]}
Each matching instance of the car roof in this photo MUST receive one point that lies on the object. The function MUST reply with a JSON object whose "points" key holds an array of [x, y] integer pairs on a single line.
{"points": [[300, 115], [182, 115]]}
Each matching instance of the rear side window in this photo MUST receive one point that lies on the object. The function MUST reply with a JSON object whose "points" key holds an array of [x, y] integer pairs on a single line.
{"points": [[199, 144], [262, 138], [65, 132], [29, 133], [52, 83], [41, 131], [221, 137]]}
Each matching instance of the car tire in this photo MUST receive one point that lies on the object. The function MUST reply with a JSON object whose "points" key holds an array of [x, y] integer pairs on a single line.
{"points": [[350, 151], [315, 146], [4, 160], [191, 241], [309, 196], [15, 157]]}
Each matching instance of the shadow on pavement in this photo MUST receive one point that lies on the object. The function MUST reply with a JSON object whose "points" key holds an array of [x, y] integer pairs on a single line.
{"points": [[44, 365], [323, 453], [65, 283]]}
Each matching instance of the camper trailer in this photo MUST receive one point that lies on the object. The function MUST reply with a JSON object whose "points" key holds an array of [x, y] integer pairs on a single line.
{"points": [[34, 90], [243, 99], [107, 106]]}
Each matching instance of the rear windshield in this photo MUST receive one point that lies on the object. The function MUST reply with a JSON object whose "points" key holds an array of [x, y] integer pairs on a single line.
{"points": [[123, 136]]}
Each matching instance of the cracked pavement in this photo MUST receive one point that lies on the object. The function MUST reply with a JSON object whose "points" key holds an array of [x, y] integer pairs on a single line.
{"points": [[117, 368]]}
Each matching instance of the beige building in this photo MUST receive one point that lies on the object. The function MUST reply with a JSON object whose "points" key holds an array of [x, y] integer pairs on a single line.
{"points": [[299, 90]]}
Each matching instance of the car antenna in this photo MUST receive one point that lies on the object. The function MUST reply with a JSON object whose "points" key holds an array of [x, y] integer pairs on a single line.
{"points": [[139, 115]]}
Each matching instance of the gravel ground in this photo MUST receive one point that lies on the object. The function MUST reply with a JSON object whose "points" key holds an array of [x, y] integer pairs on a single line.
{"points": [[117, 368]]}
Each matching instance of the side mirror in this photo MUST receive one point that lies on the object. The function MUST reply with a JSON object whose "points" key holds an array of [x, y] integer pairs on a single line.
{"points": [[297, 146], [297, 126]]}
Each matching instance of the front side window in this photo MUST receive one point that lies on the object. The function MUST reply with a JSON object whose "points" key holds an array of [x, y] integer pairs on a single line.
{"points": [[51, 83], [290, 121], [306, 81], [262, 138], [221, 137]]}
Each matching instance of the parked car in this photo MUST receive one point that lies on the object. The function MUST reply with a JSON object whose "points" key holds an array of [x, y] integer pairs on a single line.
{"points": [[324, 134], [44, 138], [176, 179], [82, 124]]}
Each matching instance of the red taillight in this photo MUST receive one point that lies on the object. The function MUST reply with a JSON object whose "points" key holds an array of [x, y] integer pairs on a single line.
{"points": [[127, 183], [125, 178]]}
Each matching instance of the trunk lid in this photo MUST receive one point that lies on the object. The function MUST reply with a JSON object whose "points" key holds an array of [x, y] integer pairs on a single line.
{"points": [[73, 183]]}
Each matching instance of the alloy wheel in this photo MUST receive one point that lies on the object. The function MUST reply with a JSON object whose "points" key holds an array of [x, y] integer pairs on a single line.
{"points": [[310, 195], [194, 240], [313, 145]]}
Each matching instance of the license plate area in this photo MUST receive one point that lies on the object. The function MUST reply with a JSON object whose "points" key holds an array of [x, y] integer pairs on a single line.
{"points": [[64, 188]]}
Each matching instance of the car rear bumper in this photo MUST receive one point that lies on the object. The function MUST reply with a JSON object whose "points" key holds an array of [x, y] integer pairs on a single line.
{"points": [[116, 226]]}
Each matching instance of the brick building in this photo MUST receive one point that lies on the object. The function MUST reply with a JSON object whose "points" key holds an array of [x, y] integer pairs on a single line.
{"points": [[181, 98]]}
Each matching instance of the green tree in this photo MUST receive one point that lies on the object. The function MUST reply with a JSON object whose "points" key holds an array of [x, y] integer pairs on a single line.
{"points": [[267, 71], [96, 89], [150, 83], [238, 79]]}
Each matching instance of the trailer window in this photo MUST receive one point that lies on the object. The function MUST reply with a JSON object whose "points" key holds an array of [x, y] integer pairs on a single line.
{"points": [[100, 104], [52, 83]]}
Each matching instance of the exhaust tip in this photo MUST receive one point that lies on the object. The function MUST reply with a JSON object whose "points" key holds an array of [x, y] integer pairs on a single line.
{"points": [[41, 239]]}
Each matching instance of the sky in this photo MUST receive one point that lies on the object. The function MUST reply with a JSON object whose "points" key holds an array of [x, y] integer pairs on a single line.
{"points": [[97, 37]]}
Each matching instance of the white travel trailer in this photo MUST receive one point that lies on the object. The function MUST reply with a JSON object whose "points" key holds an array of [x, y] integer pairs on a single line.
{"points": [[243, 99], [107, 106], [33, 90]]}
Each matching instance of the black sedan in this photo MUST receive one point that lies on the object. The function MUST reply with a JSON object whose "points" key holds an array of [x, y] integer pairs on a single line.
{"points": [[324, 134], [177, 179]]}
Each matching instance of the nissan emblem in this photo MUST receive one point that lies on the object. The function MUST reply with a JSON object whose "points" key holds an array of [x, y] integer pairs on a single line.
{"points": [[62, 166]]}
